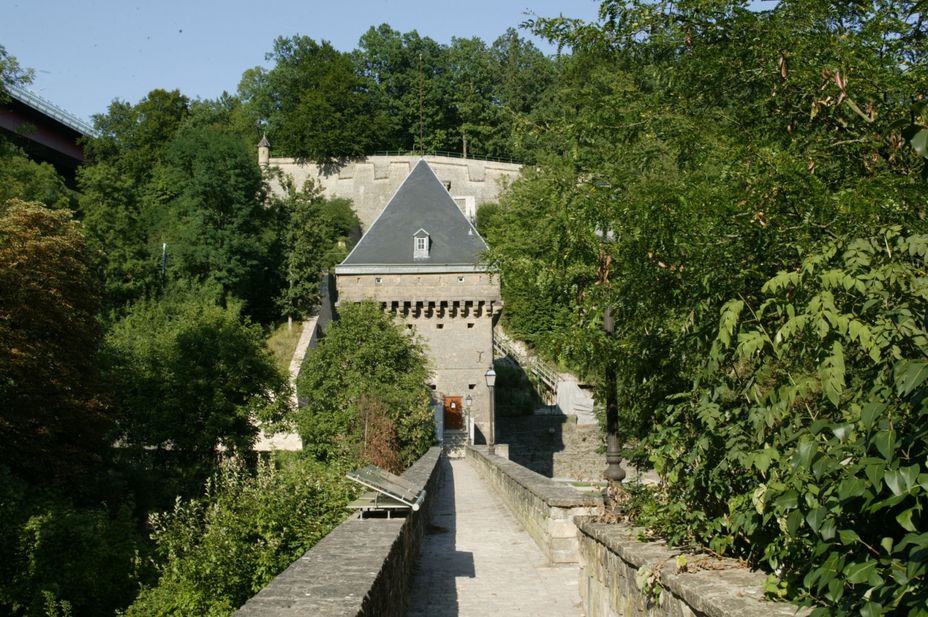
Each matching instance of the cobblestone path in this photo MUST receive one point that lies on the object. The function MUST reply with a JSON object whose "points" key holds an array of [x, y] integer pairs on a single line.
{"points": [[478, 561]]}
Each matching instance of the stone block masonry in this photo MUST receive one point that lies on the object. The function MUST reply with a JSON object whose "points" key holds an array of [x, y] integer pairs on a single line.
{"points": [[544, 507], [555, 446], [362, 568], [611, 557], [371, 181]]}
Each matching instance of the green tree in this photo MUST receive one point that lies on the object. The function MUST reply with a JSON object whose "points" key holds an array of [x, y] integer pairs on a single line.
{"points": [[27, 180], [473, 97], [11, 73], [120, 223], [314, 102], [316, 232], [207, 202], [218, 550], [365, 361], [803, 444], [719, 146], [190, 376], [397, 69], [52, 421], [133, 137], [525, 80], [119, 229], [79, 558]]}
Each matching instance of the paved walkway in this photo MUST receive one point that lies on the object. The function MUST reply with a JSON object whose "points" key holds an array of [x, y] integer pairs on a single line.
{"points": [[477, 561]]}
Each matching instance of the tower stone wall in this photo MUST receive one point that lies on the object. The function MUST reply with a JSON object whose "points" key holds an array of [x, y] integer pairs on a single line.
{"points": [[453, 313]]}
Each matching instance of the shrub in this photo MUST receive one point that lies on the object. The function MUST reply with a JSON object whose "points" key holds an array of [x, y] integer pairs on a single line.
{"points": [[804, 446], [217, 551]]}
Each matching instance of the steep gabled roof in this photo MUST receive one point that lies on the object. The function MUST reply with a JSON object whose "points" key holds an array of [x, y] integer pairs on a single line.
{"points": [[421, 202]]}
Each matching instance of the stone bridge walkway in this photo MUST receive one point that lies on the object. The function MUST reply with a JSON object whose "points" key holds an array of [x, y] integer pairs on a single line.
{"points": [[478, 561]]}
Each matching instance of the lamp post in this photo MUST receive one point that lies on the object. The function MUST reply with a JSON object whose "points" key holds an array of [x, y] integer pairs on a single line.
{"points": [[469, 422], [491, 436], [614, 471]]}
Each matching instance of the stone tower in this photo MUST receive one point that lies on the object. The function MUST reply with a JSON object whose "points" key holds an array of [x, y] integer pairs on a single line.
{"points": [[264, 151], [421, 260]]}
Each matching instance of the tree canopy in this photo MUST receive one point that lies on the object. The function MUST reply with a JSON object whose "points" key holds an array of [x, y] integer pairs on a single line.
{"points": [[397, 91], [190, 376], [366, 381], [701, 156], [52, 419]]}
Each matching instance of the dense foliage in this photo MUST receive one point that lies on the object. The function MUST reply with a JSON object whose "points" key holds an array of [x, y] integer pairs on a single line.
{"points": [[805, 440], [365, 391], [316, 236], [216, 551], [743, 190], [397, 91], [696, 150], [132, 354], [189, 376], [52, 420]]}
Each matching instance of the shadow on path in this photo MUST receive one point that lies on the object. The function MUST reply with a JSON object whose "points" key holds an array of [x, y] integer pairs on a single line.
{"points": [[434, 587]]}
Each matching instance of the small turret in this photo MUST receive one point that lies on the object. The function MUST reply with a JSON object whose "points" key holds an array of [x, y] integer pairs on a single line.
{"points": [[264, 151]]}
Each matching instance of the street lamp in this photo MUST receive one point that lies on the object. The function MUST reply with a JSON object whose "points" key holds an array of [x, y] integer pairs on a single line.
{"points": [[614, 471], [491, 437], [469, 427]]}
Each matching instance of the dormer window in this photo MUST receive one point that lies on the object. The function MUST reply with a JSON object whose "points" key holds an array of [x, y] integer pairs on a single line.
{"points": [[421, 242]]}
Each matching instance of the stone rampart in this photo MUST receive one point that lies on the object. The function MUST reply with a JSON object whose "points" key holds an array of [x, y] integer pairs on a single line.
{"points": [[611, 558], [544, 507], [371, 181], [361, 569], [555, 446]]}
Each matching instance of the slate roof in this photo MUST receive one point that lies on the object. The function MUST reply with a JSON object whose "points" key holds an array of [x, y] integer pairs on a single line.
{"points": [[421, 202]]}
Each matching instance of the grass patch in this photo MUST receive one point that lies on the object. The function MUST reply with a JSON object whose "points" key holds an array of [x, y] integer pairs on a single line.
{"points": [[282, 343]]}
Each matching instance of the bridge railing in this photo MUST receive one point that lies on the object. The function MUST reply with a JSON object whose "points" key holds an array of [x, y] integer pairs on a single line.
{"points": [[51, 110]]}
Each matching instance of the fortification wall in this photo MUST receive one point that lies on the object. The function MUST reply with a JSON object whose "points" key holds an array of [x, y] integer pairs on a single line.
{"points": [[370, 182], [555, 446]]}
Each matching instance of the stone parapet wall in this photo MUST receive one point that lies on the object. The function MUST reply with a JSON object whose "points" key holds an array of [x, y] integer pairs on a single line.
{"points": [[371, 181], [362, 568], [423, 288], [544, 507], [555, 446], [611, 557]]}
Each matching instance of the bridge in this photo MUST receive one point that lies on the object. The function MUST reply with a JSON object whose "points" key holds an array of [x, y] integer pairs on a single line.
{"points": [[492, 538], [45, 131]]}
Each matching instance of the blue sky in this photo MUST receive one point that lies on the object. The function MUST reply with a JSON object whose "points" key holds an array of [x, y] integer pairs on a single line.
{"points": [[85, 53]]}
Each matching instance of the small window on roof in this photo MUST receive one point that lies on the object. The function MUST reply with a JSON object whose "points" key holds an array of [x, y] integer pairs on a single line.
{"points": [[420, 245]]}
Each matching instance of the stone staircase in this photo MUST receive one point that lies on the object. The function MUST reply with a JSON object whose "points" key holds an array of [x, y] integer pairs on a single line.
{"points": [[453, 442]]}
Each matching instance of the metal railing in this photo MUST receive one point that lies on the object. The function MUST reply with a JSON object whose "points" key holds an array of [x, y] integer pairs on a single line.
{"points": [[51, 110], [540, 370]]}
